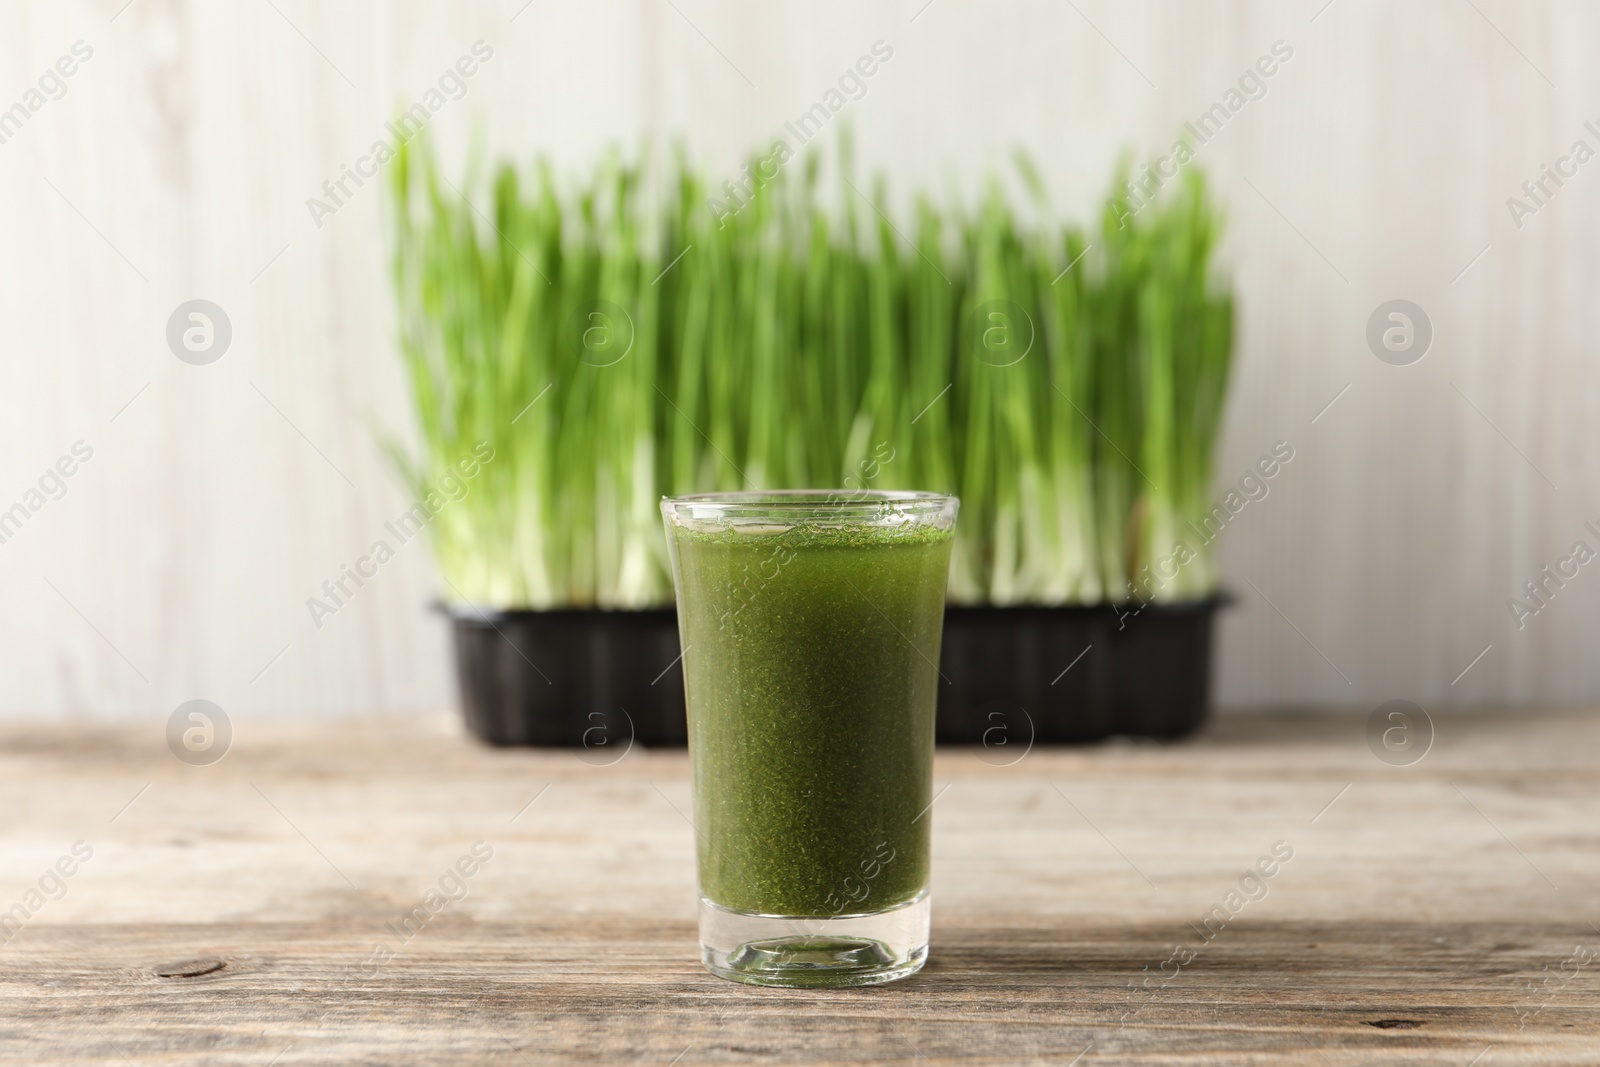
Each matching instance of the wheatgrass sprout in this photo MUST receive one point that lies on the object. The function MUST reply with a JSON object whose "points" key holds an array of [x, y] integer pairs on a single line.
{"points": [[588, 348], [1184, 343]]}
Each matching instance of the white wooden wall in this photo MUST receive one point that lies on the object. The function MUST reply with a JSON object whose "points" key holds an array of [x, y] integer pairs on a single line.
{"points": [[178, 163]]}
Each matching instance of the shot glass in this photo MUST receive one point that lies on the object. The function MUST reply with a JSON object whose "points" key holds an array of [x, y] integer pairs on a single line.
{"points": [[811, 625]]}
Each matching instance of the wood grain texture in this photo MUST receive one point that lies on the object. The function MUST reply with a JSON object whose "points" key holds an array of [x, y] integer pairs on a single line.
{"points": [[1377, 165], [1425, 917]]}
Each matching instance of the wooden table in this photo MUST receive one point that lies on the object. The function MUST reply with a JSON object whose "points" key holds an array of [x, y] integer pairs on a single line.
{"points": [[1442, 913]]}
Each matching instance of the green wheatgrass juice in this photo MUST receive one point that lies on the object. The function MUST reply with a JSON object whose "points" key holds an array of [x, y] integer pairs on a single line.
{"points": [[810, 660]]}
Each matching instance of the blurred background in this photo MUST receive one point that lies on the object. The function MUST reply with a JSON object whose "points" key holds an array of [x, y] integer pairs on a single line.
{"points": [[1379, 162]]}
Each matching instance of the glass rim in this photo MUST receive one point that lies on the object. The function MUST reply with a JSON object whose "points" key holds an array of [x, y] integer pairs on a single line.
{"points": [[892, 506], [783, 496]]}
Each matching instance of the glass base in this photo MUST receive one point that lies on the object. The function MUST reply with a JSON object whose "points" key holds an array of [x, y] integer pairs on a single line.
{"points": [[816, 953]]}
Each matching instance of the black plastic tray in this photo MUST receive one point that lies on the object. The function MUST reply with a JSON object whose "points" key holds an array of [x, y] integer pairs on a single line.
{"points": [[586, 678], [1074, 673], [1015, 675]]}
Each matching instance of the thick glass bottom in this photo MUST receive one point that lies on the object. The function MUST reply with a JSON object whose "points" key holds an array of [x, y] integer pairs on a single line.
{"points": [[816, 953]]}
